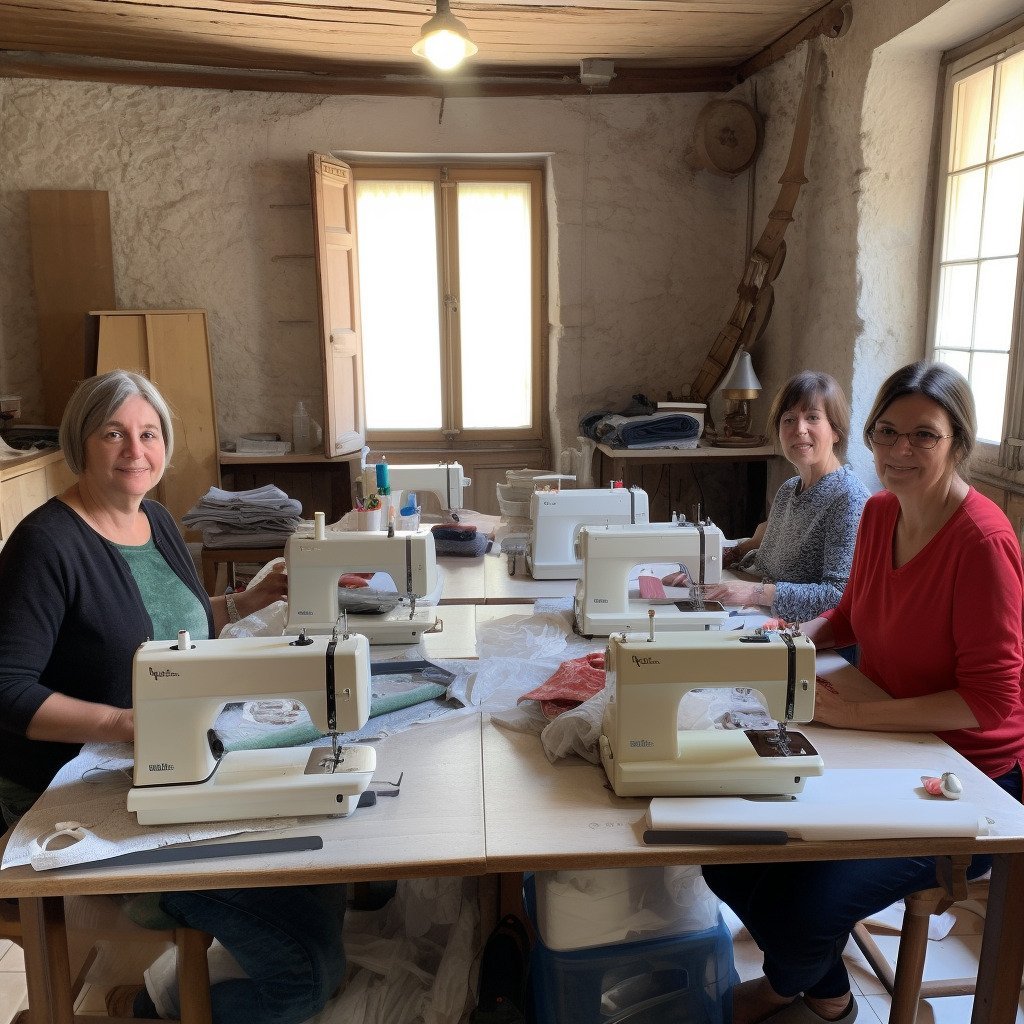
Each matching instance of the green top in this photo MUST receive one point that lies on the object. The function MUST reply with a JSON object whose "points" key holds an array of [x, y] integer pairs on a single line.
{"points": [[171, 605]]}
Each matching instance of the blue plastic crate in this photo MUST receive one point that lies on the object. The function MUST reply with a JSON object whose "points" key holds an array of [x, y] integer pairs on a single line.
{"points": [[682, 979]]}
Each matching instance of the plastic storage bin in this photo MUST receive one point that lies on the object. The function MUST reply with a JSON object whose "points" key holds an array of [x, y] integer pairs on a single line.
{"points": [[682, 979]]}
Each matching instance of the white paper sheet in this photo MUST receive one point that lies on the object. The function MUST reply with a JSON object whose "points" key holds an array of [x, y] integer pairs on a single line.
{"points": [[92, 790], [843, 804]]}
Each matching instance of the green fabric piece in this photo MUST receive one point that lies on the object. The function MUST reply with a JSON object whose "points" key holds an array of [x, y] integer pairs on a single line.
{"points": [[171, 605], [306, 732], [286, 736], [145, 910], [397, 701]]}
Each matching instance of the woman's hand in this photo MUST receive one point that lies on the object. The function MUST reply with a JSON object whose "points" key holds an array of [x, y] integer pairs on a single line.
{"points": [[354, 580], [742, 594], [730, 556], [831, 709], [273, 587], [676, 579]]}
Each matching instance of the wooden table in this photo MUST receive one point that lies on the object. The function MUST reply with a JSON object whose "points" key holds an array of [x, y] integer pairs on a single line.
{"points": [[535, 816], [464, 579], [751, 465], [433, 828], [571, 819], [521, 588]]}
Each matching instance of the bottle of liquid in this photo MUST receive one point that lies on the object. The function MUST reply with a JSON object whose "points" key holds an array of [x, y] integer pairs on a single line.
{"points": [[300, 429]]}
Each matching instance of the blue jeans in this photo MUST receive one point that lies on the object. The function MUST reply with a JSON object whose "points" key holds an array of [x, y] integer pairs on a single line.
{"points": [[801, 915], [286, 939]]}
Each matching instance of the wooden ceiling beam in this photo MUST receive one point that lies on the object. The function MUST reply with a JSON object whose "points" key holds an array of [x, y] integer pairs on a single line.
{"points": [[372, 79], [831, 20]]}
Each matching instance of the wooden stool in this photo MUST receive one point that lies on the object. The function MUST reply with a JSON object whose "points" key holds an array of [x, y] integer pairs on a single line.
{"points": [[106, 920], [905, 985], [213, 557]]}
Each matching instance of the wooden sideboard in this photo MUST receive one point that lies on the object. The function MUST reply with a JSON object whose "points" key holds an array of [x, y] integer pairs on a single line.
{"points": [[25, 483]]}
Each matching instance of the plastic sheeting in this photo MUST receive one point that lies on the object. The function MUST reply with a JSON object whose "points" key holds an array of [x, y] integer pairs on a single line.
{"points": [[520, 652], [411, 962]]}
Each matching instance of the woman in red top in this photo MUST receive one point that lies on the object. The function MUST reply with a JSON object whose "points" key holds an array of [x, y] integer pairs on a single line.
{"points": [[935, 601]]}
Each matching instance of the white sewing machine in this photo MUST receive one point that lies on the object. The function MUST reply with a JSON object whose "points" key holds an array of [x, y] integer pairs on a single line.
{"points": [[315, 563], [645, 754], [603, 604], [181, 770], [444, 480], [558, 516]]}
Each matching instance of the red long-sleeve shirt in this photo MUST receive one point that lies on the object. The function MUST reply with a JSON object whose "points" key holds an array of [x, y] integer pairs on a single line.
{"points": [[950, 619]]}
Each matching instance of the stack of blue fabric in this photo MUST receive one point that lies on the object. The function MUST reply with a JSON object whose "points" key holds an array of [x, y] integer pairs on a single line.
{"points": [[459, 539], [655, 430]]}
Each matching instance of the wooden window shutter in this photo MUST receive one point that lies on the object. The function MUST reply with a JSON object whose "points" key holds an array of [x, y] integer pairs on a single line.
{"points": [[334, 248]]}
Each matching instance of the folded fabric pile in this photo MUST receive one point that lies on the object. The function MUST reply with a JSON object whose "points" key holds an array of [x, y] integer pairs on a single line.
{"points": [[460, 539], [658, 430], [263, 517]]}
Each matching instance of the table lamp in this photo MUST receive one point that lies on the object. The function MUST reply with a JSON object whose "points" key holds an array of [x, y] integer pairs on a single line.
{"points": [[739, 389]]}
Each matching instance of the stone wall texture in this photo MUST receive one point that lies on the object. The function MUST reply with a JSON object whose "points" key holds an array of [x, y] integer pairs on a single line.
{"points": [[644, 248]]}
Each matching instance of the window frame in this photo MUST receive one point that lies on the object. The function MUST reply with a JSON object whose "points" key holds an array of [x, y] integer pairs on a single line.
{"points": [[1008, 453], [446, 177]]}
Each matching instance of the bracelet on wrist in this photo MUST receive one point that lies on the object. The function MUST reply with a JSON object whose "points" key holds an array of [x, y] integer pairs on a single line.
{"points": [[229, 602]]}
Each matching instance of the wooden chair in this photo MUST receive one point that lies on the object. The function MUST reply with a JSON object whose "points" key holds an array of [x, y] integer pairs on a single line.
{"points": [[211, 559], [103, 919], [905, 985]]}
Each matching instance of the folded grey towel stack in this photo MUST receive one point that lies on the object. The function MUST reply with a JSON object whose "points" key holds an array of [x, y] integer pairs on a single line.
{"points": [[262, 517]]}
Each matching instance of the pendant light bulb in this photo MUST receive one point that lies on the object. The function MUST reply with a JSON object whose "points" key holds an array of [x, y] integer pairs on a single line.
{"points": [[444, 40]]}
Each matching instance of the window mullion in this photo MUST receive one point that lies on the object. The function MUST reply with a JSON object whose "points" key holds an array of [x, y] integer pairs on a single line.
{"points": [[1012, 453], [450, 276]]}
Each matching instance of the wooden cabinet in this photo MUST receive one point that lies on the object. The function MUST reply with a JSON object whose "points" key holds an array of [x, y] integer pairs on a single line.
{"points": [[171, 348], [26, 483]]}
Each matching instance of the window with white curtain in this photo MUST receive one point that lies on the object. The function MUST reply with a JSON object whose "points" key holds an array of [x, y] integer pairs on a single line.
{"points": [[977, 294], [450, 272]]}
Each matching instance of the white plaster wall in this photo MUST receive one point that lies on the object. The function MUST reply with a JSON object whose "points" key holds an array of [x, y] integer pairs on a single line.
{"points": [[207, 187], [853, 297]]}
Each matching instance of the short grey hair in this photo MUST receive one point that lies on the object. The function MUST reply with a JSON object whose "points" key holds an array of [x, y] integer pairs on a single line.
{"points": [[94, 403]]}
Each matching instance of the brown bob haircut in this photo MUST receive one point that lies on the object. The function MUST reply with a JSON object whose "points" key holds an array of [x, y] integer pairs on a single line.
{"points": [[808, 389]]}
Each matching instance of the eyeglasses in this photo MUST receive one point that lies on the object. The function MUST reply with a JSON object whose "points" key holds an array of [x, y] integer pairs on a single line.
{"points": [[887, 437]]}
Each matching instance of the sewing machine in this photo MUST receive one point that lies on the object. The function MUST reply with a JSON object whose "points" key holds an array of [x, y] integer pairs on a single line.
{"points": [[181, 770], [315, 562], [444, 480], [645, 754], [609, 554], [558, 516]]}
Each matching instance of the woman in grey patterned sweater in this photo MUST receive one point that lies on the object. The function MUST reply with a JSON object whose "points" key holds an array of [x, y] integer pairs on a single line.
{"points": [[804, 551]]}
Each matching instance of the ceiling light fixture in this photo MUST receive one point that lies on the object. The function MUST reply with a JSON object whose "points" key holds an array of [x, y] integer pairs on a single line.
{"points": [[444, 40]]}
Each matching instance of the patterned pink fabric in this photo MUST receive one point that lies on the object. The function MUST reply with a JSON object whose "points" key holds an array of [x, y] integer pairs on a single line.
{"points": [[573, 683]]}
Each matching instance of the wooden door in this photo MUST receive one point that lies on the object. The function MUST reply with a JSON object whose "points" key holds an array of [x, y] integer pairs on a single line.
{"points": [[334, 247]]}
